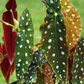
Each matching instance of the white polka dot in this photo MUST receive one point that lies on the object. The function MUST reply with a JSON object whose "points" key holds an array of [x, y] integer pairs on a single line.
{"points": [[68, 10], [18, 64], [51, 1], [53, 61], [19, 35], [49, 47], [18, 75], [65, 3], [61, 39], [26, 14], [29, 19], [63, 63], [21, 46], [27, 41], [46, 21], [21, 39], [61, 20], [26, 62], [29, 46], [29, 29], [73, 35], [60, 30], [50, 40], [26, 23], [81, 82], [26, 54], [53, 54], [45, 32], [17, 42], [48, 26], [63, 70], [58, 7], [20, 24], [18, 53], [74, 71], [30, 35], [62, 52], [73, 23], [56, 0], [57, 22], [76, 65], [83, 44], [26, 35], [81, 69], [22, 69], [22, 18], [73, 15], [69, 43], [75, 76], [57, 67], [19, 60]]}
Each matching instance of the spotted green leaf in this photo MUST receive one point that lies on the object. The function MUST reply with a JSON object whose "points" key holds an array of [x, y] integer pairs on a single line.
{"points": [[72, 23], [53, 39], [78, 64], [24, 44], [30, 76]]}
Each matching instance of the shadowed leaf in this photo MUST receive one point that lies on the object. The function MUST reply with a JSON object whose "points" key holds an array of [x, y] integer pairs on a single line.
{"points": [[40, 77], [6, 68], [30, 76], [78, 64]]}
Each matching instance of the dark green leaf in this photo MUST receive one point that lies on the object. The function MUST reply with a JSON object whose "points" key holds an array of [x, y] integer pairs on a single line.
{"points": [[24, 45], [30, 76], [78, 64], [53, 41]]}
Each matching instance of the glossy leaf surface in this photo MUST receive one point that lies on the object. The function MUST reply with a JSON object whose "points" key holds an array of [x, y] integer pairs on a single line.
{"points": [[53, 40], [72, 22], [24, 44], [30, 76], [78, 64]]}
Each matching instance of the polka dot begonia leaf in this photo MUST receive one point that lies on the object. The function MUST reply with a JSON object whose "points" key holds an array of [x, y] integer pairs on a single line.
{"points": [[72, 22], [48, 76], [24, 45], [78, 64], [31, 76], [53, 39], [40, 77]]}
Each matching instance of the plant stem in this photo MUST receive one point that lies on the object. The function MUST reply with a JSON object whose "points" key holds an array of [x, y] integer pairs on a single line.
{"points": [[8, 24]]}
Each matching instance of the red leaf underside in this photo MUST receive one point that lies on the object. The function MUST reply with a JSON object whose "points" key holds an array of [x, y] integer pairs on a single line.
{"points": [[6, 68], [11, 5], [9, 36]]}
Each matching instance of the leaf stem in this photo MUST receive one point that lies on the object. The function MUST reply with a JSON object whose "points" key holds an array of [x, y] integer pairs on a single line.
{"points": [[8, 24], [16, 23]]}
